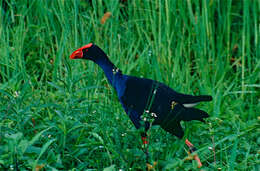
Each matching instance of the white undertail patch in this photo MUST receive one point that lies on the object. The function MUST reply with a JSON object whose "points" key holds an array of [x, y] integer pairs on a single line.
{"points": [[189, 105]]}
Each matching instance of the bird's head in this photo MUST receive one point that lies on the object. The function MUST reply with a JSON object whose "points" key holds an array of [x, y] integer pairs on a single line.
{"points": [[85, 52]]}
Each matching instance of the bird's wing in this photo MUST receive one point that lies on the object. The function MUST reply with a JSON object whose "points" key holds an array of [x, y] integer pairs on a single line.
{"points": [[136, 94]]}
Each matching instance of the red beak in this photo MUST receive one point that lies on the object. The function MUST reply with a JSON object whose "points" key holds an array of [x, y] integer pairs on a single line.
{"points": [[77, 54]]}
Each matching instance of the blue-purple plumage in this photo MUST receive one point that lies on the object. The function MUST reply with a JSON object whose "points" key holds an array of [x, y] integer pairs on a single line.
{"points": [[139, 94]]}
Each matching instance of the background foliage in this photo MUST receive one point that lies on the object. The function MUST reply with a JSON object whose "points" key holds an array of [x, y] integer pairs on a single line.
{"points": [[62, 115]]}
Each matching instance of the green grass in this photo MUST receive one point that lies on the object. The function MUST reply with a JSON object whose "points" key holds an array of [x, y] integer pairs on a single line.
{"points": [[62, 115]]}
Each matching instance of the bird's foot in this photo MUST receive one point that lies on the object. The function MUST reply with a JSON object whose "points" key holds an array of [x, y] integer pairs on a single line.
{"points": [[191, 156]]}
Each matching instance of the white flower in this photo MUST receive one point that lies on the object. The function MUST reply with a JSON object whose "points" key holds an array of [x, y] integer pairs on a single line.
{"points": [[115, 70], [12, 167], [16, 93], [149, 53], [153, 115]]}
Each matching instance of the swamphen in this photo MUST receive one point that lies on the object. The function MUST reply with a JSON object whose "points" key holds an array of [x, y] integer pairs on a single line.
{"points": [[140, 94]]}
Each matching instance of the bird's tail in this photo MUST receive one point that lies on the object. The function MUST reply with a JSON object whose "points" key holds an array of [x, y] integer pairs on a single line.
{"points": [[187, 99], [203, 98], [193, 114]]}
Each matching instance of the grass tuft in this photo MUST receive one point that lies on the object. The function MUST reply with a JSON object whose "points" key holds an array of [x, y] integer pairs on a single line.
{"points": [[62, 115]]}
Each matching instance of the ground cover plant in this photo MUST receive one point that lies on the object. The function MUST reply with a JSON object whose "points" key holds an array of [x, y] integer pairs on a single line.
{"points": [[57, 114]]}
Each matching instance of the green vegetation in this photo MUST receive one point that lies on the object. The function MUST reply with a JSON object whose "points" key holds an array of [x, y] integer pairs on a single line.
{"points": [[58, 114]]}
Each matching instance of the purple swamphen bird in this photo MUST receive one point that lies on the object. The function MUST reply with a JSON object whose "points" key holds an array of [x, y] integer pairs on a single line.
{"points": [[138, 95]]}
